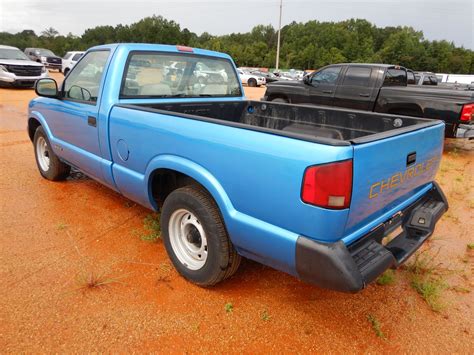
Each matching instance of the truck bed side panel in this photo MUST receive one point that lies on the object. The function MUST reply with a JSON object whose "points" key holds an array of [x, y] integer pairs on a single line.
{"points": [[260, 173]]}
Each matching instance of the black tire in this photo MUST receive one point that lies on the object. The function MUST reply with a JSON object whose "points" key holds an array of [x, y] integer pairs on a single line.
{"points": [[280, 100], [66, 71], [222, 260], [57, 170], [252, 82]]}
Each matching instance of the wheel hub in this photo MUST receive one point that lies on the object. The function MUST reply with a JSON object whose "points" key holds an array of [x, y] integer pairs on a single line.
{"points": [[188, 239]]}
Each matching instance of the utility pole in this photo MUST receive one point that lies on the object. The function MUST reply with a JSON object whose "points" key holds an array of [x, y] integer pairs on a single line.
{"points": [[278, 41]]}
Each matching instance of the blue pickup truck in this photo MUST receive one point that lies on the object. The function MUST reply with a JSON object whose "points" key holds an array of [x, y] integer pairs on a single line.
{"points": [[331, 196]]}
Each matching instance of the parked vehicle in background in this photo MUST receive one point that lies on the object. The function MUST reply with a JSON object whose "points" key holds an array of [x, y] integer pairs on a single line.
{"points": [[379, 88], [426, 78], [311, 191], [467, 79], [16, 69], [269, 77], [251, 79], [69, 60], [46, 57]]}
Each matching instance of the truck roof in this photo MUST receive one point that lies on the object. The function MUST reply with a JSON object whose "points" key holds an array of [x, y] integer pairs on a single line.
{"points": [[378, 65], [162, 48]]}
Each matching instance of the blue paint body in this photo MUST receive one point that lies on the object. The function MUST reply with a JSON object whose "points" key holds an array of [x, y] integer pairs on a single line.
{"points": [[254, 177]]}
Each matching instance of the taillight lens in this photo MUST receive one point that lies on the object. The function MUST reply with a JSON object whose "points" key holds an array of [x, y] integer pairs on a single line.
{"points": [[467, 112], [328, 185]]}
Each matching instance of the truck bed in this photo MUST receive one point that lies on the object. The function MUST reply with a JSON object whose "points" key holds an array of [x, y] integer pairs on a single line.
{"points": [[311, 123]]}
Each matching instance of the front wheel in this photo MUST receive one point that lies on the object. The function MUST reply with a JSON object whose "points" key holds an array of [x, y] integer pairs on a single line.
{"points": [[252, 82], [195, 237], [49, 165]]}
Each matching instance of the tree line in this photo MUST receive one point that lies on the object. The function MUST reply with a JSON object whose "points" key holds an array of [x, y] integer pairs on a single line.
{"points": [[307, 45]]}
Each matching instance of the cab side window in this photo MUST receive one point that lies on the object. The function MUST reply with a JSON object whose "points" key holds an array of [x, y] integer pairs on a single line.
{"points": [[83, 82], [326, 76]]}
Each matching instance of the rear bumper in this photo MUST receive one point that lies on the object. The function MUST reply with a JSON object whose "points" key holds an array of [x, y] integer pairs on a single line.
{"points": [[351, 268], [465, 131]]}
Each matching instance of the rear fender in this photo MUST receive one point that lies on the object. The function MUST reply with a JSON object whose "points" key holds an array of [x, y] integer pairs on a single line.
{"points": [[195, 171]]}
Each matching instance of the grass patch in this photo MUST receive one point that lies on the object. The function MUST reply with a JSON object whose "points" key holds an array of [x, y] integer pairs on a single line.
{"points": [[151, 224], [376, 326], [229, 307], [62, 226], [387, 278], [265, 316], [429, 288], [470, 246], [425, 280]]}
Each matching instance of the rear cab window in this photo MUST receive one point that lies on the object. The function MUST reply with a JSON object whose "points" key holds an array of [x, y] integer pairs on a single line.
{"points": [[357, 76], [160, 74], [395, 77]]}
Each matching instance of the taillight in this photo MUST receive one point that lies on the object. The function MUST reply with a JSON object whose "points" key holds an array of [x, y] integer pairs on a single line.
{"points": [[328, 185], [467, 112]]}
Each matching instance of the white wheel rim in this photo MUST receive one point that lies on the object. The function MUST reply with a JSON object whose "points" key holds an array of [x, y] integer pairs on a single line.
{"points": [[42, 153], [188, 239]]}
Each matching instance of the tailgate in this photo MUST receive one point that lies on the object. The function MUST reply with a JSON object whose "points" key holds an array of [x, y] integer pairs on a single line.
{"points": [[389, 171]]}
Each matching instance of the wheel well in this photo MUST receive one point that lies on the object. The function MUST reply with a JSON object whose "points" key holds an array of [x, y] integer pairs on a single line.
{"points": [[33, 124], [278, 96], [165, 181]]}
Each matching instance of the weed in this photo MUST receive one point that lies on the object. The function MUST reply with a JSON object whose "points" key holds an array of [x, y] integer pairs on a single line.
{"points": [[265, 316], [229, 307], [151, 223], [470, 246], [454, 152], [460, 289], [387, 278], [424, 281], [429, 288], [62, 226], [376, 326], [92, 280], [459, 179], [129, 204]]}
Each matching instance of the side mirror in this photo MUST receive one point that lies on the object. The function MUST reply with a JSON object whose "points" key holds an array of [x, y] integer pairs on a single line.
{"points": [[306, 79], [47, 88]]}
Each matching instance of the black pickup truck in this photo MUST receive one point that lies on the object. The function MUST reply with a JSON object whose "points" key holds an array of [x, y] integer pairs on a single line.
{"points": [[379, 88]]}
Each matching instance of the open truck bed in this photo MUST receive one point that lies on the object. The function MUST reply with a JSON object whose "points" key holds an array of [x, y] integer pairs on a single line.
{"points": [[317, 124]]}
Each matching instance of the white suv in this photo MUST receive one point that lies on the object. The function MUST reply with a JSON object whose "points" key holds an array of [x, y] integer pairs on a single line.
{"points": [[16, 69], [70, 59]]}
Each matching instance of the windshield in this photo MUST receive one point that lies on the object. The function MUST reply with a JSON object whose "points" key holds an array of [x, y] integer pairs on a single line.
{"points": [[179, 75], [45, 52], [8, 53]]}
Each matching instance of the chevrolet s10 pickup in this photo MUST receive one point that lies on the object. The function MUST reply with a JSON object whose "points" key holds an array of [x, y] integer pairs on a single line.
{"points": [[331, 196]]}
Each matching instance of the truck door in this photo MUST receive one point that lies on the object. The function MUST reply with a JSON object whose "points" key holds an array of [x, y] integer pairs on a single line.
{"points": [[322, 86], [74, 119], [356, 90]]}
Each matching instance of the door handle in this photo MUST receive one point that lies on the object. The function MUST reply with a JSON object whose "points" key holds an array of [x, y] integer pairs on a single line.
{"points": [[364, 95], [327, 91], [92, 121]]}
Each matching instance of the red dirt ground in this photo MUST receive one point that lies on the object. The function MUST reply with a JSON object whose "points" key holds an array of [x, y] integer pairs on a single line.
{"points": [[54, 235]]}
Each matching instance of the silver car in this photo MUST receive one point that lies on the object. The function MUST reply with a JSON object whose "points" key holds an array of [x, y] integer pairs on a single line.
{"points": [[16, 69]]}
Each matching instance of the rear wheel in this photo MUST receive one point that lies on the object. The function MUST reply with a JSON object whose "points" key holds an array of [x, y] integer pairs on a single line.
{"points": [[66, 71], [195, 237], [49, 165], [280, 100], [252, 82]]}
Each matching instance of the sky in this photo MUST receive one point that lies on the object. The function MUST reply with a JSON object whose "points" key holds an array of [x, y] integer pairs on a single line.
{"points": [[452, 20]]}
